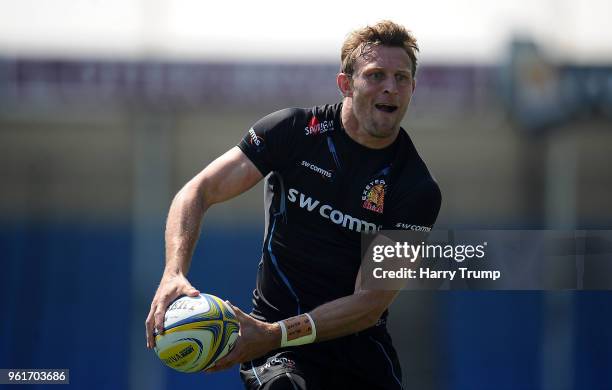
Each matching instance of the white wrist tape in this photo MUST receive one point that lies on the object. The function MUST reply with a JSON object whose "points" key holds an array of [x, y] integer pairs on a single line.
{"points": [[283, 333], [306, 339]]}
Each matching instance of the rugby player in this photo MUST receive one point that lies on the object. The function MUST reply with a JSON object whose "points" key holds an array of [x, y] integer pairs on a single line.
{"points": [[332, 172]]}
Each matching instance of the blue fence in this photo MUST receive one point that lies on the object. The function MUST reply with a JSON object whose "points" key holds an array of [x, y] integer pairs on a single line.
{"points": [[58, 284]]}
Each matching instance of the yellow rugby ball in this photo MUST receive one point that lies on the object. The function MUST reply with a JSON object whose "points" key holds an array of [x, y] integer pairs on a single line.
{"points": [[197, 332]]}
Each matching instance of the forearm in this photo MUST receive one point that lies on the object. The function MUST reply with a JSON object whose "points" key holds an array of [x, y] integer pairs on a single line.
{"points": [[183, 229], [350, 314], [340, 317]]}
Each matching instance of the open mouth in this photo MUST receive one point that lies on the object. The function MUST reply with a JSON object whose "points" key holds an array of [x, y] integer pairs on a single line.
{"points": [[385, 107]]}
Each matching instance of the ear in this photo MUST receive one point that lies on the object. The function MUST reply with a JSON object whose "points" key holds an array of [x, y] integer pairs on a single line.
{"points": [[413, 85], [344, 84]]}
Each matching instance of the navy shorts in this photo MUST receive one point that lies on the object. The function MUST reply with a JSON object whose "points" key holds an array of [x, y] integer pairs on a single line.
{"points": [[362, 361]]}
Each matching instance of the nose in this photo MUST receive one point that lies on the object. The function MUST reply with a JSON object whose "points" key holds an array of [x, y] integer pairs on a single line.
{"points": [[390, 86]]}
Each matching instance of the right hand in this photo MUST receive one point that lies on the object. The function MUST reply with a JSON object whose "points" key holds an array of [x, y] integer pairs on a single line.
{"points": [[170, 288]]}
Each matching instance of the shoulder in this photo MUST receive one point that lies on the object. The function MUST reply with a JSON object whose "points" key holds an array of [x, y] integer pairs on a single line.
{"points": [[410, 169], [412, 179], [307, 121], [280, 137], [417, 187], [287, 117]]}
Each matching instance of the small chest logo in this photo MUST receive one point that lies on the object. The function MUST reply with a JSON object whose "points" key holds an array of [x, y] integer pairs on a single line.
{"points": [[326, 174], [373, 196], [315, 127]]}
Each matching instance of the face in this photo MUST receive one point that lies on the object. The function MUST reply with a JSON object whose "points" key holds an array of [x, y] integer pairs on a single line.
{"points": [[381, 88]]}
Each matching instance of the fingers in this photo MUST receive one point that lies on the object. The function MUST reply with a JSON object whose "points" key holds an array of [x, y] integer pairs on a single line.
{"points": [[225, 362], [168, 290], [154, 322], [233, 356], [149, 324], [159, 313], [191, 291], [237, 312]]}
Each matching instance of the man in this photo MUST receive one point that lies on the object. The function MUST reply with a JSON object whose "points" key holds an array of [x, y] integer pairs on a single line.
{"points": [[333, 172]]}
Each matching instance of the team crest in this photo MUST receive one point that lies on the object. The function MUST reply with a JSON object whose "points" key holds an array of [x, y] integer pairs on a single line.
{"points": [[373, 196]]}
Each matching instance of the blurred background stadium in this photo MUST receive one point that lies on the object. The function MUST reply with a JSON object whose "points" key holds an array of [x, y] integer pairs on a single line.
{"points": [[108, 108]]}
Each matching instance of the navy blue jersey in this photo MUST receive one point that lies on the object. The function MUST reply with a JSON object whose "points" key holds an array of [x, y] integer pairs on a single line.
{"points": [[321, 191]]}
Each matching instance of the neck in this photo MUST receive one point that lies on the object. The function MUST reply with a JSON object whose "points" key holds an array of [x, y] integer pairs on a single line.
{"points": [[356, 131]]}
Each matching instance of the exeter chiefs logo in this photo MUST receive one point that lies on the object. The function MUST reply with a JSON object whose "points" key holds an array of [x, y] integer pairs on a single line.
{"points": [[373, 196]]}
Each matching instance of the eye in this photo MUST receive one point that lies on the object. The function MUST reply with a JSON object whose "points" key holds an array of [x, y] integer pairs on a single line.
{"points": [[377, 76], [401, 78]]}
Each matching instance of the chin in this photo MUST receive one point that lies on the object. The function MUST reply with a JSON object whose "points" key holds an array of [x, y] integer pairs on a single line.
{"points": [[383, 133], [386, 130]]}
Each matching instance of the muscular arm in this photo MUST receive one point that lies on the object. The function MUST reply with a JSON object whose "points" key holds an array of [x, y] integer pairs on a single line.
{"points": [[226, 177], [340, 317], [356, 312], [337, 318], [351, 314]]}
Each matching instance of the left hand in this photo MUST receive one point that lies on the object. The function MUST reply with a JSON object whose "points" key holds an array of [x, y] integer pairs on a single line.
{"points": [[255, 338]]}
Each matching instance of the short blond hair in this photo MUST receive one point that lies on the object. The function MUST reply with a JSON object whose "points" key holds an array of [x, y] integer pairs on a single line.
{"points": [[385, 33]]}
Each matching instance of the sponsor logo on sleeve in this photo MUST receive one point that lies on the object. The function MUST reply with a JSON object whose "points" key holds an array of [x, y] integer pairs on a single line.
{"points": [[373, 196], [315, 127], [255, 140]]}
